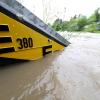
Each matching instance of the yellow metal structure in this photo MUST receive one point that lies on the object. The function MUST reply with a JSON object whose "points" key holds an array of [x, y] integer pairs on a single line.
{"points": [[19, 41]]}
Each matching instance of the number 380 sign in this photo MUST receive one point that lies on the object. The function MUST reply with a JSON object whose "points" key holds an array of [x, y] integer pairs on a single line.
{"points": [[28, 43], [25, 43]]}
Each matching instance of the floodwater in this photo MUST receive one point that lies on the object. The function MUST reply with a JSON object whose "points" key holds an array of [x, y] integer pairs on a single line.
{"points": [[72, 74]]}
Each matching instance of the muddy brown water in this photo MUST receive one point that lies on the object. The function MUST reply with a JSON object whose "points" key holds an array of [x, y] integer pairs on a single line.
{"points": [[72, 74]]}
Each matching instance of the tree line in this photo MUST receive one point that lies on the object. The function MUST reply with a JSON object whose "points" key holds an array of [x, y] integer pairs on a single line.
{"points": [[79, 23]]}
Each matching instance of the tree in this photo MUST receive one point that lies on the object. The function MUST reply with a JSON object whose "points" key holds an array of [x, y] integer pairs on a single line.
{"points": [[95, 17], [81, 22], [97, 14], [65, 25], [57, 25], [77, 23]]}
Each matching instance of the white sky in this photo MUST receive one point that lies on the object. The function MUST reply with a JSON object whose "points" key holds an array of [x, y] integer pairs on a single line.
{"points": [[64, 9]]}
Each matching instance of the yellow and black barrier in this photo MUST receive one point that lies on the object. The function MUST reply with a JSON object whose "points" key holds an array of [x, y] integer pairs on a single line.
{"points": [[23, 35]]}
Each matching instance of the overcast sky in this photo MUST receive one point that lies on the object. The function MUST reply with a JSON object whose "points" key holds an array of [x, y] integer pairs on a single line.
{"points": [[64, 9]]}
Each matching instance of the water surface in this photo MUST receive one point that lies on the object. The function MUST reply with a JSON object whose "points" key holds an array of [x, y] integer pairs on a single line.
{"points": [[72, 74]]}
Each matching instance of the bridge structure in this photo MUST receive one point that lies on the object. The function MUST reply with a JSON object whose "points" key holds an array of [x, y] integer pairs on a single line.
{"points": [[23, 35]]}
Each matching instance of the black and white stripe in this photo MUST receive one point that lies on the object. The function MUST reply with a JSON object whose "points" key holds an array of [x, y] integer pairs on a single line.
{"points": [[5, 39], [4, 28], [7, 50]]}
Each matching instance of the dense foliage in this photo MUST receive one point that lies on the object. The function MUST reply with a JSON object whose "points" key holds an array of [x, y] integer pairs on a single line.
{"points": [[79, 23]]}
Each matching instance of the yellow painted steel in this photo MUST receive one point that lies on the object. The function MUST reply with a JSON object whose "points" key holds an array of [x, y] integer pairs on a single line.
{"points": [[18, 32]]}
